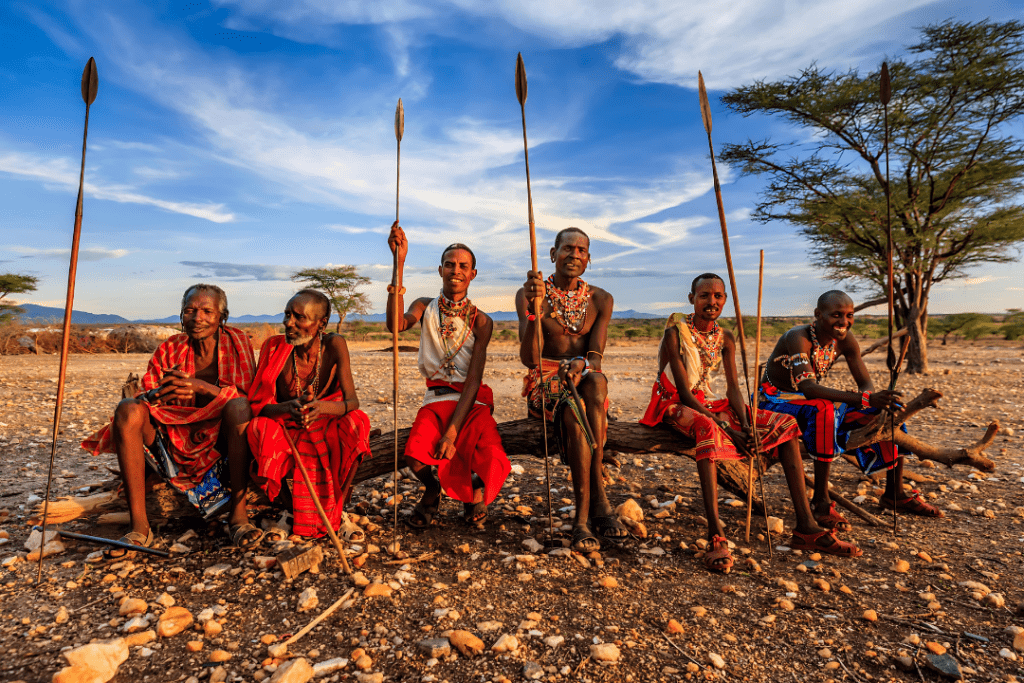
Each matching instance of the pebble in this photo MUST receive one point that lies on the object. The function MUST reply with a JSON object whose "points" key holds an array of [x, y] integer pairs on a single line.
{"points": [[377, 590], [944, 664], [486, 626], [329, 666], [212, 628], [218, 656], [216, 570], [61, 616], [674, 626], [506, 643], [994, 600], [825, 653], [822, 585], [775, 525], [900, 566], [308, 600], [787, 605], [934, 647], [138, 623], [140, 638], [264, 562], [133, 606], [716, 660], [698, 611], [554, 641], [173, 621], [605, 652], [532, 545], [165, 600], [293, 671], [93, 662], [870, 615], [1007, 653], [194, 645], [532, 671], [1018, 641], [435, 647], [463, 576], [608, 582], [466, 643]]}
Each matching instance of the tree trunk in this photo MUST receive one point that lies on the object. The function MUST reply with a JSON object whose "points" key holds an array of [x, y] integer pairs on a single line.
{"points": [[341, 321], [917, 354]]}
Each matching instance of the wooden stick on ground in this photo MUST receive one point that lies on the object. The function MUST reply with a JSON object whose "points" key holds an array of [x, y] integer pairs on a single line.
{"points": [[323, 615], [316, 501]]}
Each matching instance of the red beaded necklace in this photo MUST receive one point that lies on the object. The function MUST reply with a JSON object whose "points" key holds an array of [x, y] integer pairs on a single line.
{"points": [[569, 308]]}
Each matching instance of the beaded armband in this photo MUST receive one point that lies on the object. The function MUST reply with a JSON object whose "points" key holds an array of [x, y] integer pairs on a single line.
{"points": [[801, 377]]}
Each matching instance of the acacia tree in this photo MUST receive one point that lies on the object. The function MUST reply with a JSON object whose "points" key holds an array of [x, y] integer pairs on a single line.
{"points": [[340, 284], [13, 283], [957, 171]]}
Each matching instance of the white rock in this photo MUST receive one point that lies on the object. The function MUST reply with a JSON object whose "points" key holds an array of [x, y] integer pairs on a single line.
{"points": [[506, 643], [630, 509], [554, 641], [716, 660], [329, 666], [1007, 653], [605, 652], [93, 663], [308, 600], [216, 570], [533, 545], [293, 671]]}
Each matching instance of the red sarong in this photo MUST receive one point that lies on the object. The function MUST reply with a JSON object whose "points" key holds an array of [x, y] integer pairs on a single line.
{"points": [[192, 432], [712, 441], [330, 448], [477, 446]]}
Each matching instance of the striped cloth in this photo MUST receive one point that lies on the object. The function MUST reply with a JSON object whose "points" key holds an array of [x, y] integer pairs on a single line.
{"points": [[826, 427], [331, 448], [712, 442], [192, 432]]}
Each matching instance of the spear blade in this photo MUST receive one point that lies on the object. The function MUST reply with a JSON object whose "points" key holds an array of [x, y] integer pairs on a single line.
{"points": [[90, 81], [884, 88], [705, 108], [520, 79], [399, 120]]}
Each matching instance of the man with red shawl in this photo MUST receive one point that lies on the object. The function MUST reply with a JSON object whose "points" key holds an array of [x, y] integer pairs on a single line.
{"points": [[454, 429], [304, 388], [186, 418]]}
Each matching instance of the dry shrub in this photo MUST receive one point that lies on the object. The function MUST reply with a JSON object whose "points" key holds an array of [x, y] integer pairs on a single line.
{"points": [[18, 339], [258, 334]]}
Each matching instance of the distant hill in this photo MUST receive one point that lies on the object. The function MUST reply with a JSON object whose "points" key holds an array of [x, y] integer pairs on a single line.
{"points": [[47, 314]]}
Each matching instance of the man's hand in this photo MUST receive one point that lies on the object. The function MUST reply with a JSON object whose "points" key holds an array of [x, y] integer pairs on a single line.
{"points": [[176, 385], [398, 243], [886, 400], [446, 446], [534, 288], [572, 372], [744, 440]]}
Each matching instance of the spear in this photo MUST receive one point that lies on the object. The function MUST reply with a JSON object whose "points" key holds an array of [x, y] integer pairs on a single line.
{"points": [[538, 303], [753, 412], [90, 82], [397, 284], [885, 94]]}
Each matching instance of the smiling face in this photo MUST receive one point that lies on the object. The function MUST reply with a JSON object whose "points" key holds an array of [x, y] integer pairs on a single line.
{"points": [[304, 319], [571, 254], [708, 298], [834, 317], [456, 271], [201, 316]]}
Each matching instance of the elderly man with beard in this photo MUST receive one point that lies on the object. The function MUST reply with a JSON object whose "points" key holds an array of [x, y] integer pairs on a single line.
{"points": [[304, 387], [792, 384], [454, 429], [187, 417], [574, 322]]}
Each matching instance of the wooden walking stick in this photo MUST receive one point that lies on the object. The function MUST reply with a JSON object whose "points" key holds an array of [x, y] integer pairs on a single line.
{"points": [[90, 82], [753, 410], [538, 303], [316, 500], [396, 284], [885, 94]]}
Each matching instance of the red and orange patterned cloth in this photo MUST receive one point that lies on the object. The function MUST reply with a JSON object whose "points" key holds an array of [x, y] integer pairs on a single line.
{"points": [[192, 431], [330, 448]]}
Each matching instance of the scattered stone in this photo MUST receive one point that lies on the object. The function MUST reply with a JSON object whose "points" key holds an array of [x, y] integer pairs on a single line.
{"points": [[264, 562], [944, 664], [532, 671], [1007, 653], [506, 643], [935, 648], [376, 677], [533, 545], [994, 600], [825, 653], [140, 638], [194, 645], [822, 585], [293, 671], [308, 600], [716, 660], [786, 604], [61, 616], [137, 623], [900, 566], [165, 600], [435, 647], [463, 576], [608, 582], [1018, 641], [698, 611], [216, 570], [212, 628], [377, 590], [775, 525], [554, 641], [674, 626], [630, 510], [133, 606], [277, 650], [364, 662], [179, 549], [93, 663], [605, 652], [218, 656], [329, 666], [173, 621], [870, 615]]}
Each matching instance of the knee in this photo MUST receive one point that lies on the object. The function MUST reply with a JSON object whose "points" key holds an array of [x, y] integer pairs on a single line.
{"points": [[702, 421], [130, 414], [237, 411], [594, 387]]}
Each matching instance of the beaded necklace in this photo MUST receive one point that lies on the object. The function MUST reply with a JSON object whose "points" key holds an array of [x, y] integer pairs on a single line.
{"points": [[314, 382], [569, 308], [451, 338], [822, 357], [709, 348]]}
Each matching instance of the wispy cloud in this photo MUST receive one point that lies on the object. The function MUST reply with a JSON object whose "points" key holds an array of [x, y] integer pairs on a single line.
{"points": [[245, 271], [59, 172], [86, 254]]}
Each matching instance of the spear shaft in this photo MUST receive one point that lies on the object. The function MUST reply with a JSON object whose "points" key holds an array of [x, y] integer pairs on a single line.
{"points": [[521, 92], [885, 93], [397, 284], [90, 82]]}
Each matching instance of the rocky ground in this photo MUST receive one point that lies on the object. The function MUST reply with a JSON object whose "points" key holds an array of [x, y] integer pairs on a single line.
{"points": [[645, 612]]}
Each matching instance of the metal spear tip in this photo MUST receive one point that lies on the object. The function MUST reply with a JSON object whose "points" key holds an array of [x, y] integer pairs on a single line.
{"points": [[520, 79], [90, 81], [705, 108], [399, 120], [884, 88]]}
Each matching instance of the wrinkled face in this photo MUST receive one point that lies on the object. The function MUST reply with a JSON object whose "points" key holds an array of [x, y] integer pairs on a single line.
{"points": [[708, 299], [572, 256], [303, 320], [200, 317], [836, 318], [456, 271]]}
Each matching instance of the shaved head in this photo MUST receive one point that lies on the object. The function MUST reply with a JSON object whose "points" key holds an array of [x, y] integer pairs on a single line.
{"points": [[834, 297]]}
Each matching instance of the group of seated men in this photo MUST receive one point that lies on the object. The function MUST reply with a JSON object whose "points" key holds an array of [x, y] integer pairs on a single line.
{"points": [[204, 397]]}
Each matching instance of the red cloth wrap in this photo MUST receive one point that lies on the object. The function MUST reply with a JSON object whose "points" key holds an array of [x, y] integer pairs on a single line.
{"points": [[712, 441], [191, 431], [477, 446], [330, 448]]}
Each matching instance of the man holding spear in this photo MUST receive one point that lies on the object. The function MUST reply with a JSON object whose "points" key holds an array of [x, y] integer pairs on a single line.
{"points": [[454, 429], [693, 347], [574, 321]]}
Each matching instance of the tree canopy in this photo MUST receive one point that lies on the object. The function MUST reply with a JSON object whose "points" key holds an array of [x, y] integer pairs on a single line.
{"points": [[956, 169], [14, 283], [340, 284]]}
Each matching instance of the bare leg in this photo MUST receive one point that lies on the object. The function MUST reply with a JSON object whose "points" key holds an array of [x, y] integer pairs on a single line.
{"points": [[894, 481], [594, 392], [789, 456], [132, 429], [431, 496], [236, 413], [821, 501], [708, 473]]}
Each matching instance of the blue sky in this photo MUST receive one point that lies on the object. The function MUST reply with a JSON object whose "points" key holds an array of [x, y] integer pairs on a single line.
{"points": [[235, 142]]}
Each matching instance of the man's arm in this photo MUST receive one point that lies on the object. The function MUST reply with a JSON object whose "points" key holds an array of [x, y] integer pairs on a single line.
{"points": [[732, 384], [314, 408], [474, 377], [800, 349], [670, 356], [605, 303], [525, 308]]}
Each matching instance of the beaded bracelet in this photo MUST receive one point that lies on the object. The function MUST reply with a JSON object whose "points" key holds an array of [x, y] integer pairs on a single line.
{"points": [[865, 399]]}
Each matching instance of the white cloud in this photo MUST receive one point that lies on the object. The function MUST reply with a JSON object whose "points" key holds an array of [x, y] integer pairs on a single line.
{"points": [[61, 173], [86, 254]]}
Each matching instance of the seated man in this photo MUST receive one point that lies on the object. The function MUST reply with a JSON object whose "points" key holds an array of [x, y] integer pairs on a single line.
{"points": [[693, 347], [454, 429], [303, 387], [574, 322], [186, 418], [791, 384]]}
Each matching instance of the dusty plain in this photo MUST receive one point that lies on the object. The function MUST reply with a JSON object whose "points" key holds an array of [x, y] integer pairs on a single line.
{"points": [[730, 627]]}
